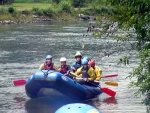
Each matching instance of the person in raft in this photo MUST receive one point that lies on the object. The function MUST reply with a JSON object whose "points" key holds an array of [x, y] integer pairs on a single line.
{"points": [[64, 68], [87, 58], [97, 70], [86, 74], [77, 63], [48, 64]]}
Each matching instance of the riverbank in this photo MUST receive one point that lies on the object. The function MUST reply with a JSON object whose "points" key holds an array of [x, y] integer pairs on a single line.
{"points": [[18, 13], [35, 19]]}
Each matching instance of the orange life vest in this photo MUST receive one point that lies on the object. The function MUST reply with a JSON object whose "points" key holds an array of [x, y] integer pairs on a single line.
{"points": [[46, 67], [64, 69]]}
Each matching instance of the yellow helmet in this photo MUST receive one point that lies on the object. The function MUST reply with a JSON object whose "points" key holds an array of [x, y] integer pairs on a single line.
{"points": [[78, 53]]}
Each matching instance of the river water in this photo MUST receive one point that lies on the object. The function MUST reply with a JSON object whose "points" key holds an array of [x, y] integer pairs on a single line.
{"points": [[23, 48]]}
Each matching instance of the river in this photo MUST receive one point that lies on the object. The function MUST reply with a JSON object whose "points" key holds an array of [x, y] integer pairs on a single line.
{"points": [[23, 48]]}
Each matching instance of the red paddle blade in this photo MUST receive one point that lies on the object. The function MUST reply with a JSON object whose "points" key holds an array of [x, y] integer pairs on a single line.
{"points": [[19, 82], [110, 75], [109, 92]]}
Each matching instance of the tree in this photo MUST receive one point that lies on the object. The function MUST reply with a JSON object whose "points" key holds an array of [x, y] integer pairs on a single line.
{"points": [[3, 2], [135, 14]]}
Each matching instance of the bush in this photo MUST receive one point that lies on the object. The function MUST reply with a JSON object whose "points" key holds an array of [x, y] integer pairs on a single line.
{"points": [[11, 10], [49, 12], [66, 6], [56, 1], [3, 10], [3, 2], [79, 3], [26, 12], [38, 11]]}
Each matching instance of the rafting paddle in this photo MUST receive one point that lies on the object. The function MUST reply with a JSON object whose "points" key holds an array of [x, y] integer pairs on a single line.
{"points": [[19, 82], [108, 83], [108, 91], [105, 90], [109, 75], [111, 83]]}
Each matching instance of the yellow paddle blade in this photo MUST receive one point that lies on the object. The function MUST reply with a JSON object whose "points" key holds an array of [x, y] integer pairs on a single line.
{"points": [[111, 83]]}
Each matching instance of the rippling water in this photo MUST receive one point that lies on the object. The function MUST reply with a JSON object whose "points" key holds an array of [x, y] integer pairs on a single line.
{"points": [[24, 47]]}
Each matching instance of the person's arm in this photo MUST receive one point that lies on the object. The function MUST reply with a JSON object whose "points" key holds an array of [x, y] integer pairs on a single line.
{"points": [[55, 67], [73, 67], [68, 70], [100, 70], [78, 72], [91, 73], [59, 68], [41, 67], [98, 76]]}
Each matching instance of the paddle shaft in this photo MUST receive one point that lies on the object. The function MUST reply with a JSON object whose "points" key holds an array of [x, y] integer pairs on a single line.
{"points": [[105, 90], [109, 75]]}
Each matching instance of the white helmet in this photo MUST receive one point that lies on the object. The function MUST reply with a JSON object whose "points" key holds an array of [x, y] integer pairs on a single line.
{"points": [[63, 59]]}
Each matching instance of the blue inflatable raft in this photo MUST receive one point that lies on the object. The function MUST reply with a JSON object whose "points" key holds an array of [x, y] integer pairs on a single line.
{"points": [[61, 83]]}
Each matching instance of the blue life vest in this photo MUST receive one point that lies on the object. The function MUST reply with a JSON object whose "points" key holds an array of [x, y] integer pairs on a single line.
{"points": [[77, 65]]}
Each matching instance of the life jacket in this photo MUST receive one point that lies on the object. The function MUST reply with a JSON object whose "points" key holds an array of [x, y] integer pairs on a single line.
{"points": [[85, 73], [64, 70], [77, 65], [46, 67]]}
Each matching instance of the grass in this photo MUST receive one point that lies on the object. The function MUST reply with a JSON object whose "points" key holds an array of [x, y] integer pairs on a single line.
{"points": [[41, 8], [6, 17], [28, 6]]}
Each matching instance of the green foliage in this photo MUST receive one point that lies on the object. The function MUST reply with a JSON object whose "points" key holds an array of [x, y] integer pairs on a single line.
{"points": [[124, 60], [99, 9], [56, 1], [135, 14], [3, 2], [23, 1], [79, 3], [65, 6], [11, 10], [32, 1], [142, 73], [49, 12], [26, 12], [38, 11], [3, 10]]}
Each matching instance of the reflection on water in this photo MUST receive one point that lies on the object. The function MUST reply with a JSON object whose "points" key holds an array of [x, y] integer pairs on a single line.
{"points": [[110, 100], [23, 48], [47, 104], [52, 103]]}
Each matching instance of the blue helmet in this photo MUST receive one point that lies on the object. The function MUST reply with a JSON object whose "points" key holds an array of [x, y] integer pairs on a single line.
{"points": [[87, 58], [48, 56], [84, 62]]}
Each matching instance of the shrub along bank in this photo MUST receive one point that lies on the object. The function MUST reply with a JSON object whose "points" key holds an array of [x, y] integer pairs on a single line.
{"points": [[47, 10]]}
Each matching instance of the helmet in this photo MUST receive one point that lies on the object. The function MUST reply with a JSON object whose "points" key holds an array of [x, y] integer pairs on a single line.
{"points": [[78, 53], [84, 62], [91, 63], [62, 59], [48, 56], [87, 58]]}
